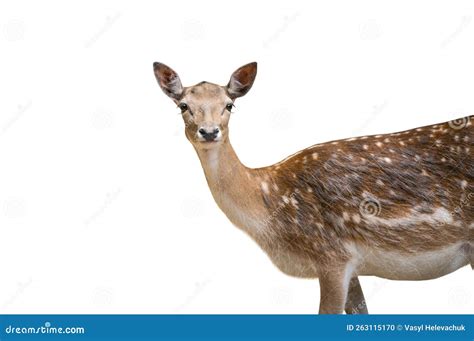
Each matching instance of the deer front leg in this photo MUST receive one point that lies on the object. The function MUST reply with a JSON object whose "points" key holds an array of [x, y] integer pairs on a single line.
{"points": [[333, 285], [355, 302]]}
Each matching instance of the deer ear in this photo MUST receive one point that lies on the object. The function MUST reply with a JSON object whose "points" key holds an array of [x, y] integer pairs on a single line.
{"points": [[241, 80], [168, 80]]}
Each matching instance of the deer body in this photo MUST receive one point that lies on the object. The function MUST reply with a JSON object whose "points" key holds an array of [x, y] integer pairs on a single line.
{"points": [[397, 206]]}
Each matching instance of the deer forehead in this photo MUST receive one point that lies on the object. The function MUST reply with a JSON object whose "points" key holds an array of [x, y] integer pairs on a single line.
{"points": [[205, 92]]}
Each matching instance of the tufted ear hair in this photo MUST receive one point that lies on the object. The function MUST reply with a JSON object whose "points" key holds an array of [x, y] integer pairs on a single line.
{"points": [[242, 80], [168, 80]]}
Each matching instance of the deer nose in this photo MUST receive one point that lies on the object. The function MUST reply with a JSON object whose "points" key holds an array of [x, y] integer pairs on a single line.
{"points": [[209, 134]]}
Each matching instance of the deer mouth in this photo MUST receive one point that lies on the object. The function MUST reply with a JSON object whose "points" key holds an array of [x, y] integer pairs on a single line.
{"points": [[209, 144], [209, 140]]}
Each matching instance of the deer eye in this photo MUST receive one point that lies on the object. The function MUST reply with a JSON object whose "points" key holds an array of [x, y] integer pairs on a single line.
{"points": [[229, 106], [183, 107]]}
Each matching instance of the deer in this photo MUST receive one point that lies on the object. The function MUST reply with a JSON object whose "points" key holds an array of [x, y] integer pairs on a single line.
{"points": [[398, 206]]}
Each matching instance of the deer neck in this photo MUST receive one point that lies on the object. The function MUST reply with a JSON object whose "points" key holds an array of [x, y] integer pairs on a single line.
{"points": [[235, 188]]}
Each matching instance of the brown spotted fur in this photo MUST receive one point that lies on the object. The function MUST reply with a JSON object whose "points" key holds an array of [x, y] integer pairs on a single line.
{"points": [[308, 211]]}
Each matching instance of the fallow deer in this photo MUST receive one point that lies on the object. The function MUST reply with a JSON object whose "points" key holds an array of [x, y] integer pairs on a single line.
{"points": [[397, 206]]}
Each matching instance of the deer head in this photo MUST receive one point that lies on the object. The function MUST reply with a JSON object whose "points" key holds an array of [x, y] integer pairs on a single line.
{"points": [[206, 107]]}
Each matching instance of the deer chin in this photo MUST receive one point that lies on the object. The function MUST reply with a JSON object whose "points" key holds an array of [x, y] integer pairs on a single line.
{"points": [[207, 145]]}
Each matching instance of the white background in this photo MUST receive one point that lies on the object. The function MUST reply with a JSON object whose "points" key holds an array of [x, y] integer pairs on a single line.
{"points": [[104, 207]]}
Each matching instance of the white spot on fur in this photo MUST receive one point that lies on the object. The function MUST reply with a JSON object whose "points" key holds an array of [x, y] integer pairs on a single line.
{"points": [[439, 216], [315, 156], [356, 218], [294, 202], [379, 144], [345, 216], [387, 160], [366, 147], [264, 186]]}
